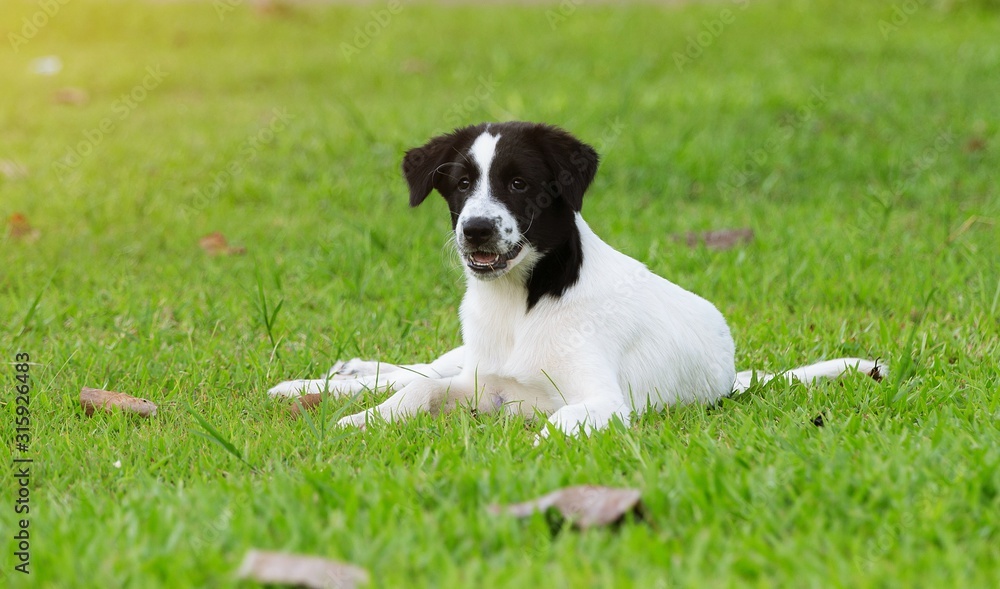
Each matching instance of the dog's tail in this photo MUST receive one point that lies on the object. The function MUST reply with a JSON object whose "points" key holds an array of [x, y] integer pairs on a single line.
{"points": [[809, 374]]}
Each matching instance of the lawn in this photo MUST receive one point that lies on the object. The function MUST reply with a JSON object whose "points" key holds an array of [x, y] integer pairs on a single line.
{"points": [[860, 142]]}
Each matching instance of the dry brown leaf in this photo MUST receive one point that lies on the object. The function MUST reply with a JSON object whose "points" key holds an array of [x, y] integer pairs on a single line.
{"points": [[306, 403], [721, 239], [215, 244], [71, 96], [96, 399], [584, 506], [280, 568], [975, 144], [272, 7], [19, 228]]}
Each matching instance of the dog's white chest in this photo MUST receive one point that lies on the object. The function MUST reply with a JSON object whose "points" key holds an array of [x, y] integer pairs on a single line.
{"points": [[505, 340], [494, 323]]}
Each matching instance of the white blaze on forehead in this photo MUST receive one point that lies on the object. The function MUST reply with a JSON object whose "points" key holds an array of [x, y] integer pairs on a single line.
{"points": [[483, 149], [482, 152]]}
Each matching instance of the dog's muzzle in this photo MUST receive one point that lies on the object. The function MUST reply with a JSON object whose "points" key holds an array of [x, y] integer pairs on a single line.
{"points": [[482, 248]]}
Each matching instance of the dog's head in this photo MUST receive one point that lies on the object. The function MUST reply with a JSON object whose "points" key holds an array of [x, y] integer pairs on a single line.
{"points": [[513, 190]]}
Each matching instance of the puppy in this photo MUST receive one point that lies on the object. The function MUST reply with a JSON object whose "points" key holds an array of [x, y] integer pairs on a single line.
{"points": [[554, 320]]}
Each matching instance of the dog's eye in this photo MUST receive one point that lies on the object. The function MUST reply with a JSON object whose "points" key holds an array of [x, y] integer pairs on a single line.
{"points": [[518, 185], [464, 184]]}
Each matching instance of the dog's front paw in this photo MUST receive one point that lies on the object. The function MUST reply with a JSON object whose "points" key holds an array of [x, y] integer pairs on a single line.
{"points": [[540, 437], [358, 368], [358, 420], [291, 388], [337, 388]]}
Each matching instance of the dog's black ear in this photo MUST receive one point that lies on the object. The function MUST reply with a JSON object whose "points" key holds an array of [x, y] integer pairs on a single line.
{"points": [[421, 166], [572, 162]]}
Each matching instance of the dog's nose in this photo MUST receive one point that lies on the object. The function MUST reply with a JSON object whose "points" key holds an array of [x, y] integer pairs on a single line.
{"points": [[478, 230]]}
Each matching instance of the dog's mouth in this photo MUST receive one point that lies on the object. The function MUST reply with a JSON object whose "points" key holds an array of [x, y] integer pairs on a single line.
{"points": [[483, 262]]}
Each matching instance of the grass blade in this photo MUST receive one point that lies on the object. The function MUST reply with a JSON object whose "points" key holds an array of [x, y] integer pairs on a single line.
{"points": [[214, 435], [33, 308]]}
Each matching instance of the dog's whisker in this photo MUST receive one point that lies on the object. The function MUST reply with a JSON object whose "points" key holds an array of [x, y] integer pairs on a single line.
{"points": [[531, 221], [452, 254], [438, 171], [461, 153]]}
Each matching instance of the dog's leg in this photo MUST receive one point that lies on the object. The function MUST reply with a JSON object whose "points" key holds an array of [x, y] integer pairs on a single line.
{"points": [[354, 376], [813, 372], [592, 402], [423, 394], [587, 417], [341, 388], [448, 365]]}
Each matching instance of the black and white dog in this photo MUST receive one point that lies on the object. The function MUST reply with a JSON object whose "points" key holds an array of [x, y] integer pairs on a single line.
{"points": [[554, 320]]}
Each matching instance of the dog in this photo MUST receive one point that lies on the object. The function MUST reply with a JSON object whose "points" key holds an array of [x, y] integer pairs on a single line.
{"points": [[554, 320]]}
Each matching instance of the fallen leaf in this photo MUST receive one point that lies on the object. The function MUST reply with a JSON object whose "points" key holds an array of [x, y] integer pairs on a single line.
{"points": [[584, 506], [96, 399], [19, 228], [975, 144], [306, 403], [721, 239], [272, 7], [215, 244], [12, 170], [71, 96], [279, 568]]}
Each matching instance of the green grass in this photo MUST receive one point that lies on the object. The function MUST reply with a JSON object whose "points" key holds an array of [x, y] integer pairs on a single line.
{"points": [[875, 212]]}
